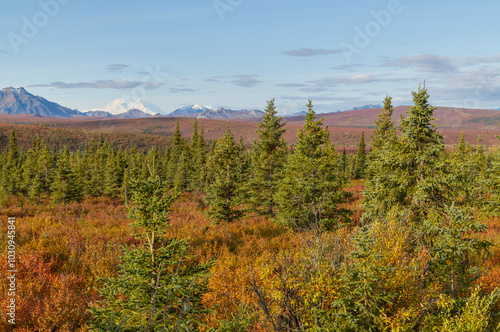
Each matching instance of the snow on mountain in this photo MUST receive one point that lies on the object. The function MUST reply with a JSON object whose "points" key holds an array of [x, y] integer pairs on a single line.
{"points": [[191, 111], [209, 112], [120, 106]]}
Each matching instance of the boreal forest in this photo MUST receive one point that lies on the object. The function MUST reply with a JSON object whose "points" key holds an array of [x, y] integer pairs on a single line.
{"points": [[227, 235]]}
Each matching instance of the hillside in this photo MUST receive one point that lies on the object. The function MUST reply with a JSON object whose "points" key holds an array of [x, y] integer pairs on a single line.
{"points": [[345, 128], [74, 138], [446, 118]]}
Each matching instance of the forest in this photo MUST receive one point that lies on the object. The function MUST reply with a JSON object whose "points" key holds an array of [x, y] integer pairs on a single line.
{"points": [[193, 235]]}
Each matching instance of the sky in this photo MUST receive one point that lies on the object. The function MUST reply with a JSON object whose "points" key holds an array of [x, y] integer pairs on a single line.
{"points": [[239, 54]]}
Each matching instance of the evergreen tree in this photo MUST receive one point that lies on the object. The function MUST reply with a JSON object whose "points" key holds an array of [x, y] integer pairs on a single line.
{"points": [[199, 163], [268, 159], [98, 168], [181, 179], [30, 168], [113, 176], [360, 165], [464, 177], [414, 181], [43, 179], [343, 167], [156, 288], [384, 126], [179, 145], [311, 189], [225, 190], [12, 168], [409, 173], [65, 187], [456, 249], [361, 303], [195, 137]]}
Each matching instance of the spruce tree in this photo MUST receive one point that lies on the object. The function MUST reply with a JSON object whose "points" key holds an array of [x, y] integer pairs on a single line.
{"points": [[12, 168], [181, 178], [113, 175], [360, 306], [30, 168], [409, 173], [343, 163], [413, 181], [199, 162], [43, 180], [360, 164], [225, 192], [65, 187], [179, 145], [268, 159], [384, 126], [157, 288], [311, 189], [464, 177]]}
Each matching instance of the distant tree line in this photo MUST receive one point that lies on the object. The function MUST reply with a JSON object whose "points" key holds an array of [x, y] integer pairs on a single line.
{"points": [[300, 185]]}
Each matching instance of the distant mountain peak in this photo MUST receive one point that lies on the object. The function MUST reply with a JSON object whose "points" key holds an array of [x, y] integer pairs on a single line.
{"points": [[121, 106], [20, 101], [365, 107], [209, 112]]}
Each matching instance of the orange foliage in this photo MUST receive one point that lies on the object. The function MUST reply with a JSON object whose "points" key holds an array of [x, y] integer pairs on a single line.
{"points": [[61, 251]]}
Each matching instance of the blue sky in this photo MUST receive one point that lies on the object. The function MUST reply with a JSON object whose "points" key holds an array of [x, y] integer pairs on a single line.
{"points": [[240, 53]]}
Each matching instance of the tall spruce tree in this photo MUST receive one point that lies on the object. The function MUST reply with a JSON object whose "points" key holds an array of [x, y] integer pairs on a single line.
{"points": [[409, 172], [225, 190], [412, 181], [199, 162], [311, 189], [179, 145], [360, 163], [268, 159], [384, 126]]}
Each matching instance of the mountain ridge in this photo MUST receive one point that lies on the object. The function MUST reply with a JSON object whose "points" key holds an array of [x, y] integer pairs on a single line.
{"points": [[209, 112], [20, 101]]}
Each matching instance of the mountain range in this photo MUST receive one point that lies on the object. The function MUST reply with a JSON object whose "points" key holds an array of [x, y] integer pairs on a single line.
{"points": [[209, 112], [19, 101]]}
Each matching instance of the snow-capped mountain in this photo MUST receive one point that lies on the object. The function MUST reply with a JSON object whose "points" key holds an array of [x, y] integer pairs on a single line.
{"points": [[209, 112], [191, 111], [120, 106]]}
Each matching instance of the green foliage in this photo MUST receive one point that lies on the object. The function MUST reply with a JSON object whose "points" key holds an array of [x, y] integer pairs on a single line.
{"points": [[360, 305], [408, 173], [11, 168], [311, 188], [225, 191], [268, 159], [65, 186], [360, 164], [466, 178], [159, 286], [384, 126], [241, 321], [477, 313], [455, 248]]}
